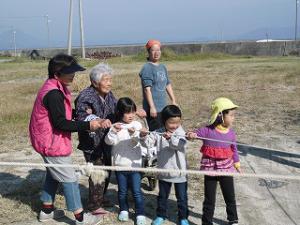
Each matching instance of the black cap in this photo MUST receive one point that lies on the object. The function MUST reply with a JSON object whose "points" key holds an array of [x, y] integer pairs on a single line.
{"points": [[74, 67]]}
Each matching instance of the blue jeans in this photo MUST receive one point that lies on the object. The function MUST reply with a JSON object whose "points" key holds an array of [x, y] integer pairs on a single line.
{"points": [[70, 189], [125, 180], [181, 196]]}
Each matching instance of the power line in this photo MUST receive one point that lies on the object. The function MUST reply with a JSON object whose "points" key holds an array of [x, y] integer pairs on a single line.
{"points": [[21, 17]]}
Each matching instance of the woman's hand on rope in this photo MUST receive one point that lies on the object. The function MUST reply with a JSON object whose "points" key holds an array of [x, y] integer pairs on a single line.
{"points": [[99, 123], [105, 123]]}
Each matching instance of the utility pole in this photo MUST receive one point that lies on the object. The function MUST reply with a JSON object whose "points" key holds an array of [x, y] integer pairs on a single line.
{"points": [[81, 30], [70, 28], [48, 31], [15, 45], [296, 20]]}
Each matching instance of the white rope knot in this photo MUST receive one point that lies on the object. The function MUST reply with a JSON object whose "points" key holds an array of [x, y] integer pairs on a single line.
{"points": [[98, 176], [87, 169]]}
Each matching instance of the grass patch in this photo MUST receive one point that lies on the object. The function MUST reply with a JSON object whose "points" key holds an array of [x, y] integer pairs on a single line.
{"points": [[168, 54]]}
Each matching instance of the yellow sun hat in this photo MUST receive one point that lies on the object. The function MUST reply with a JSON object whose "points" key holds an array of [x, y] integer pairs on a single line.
{"points": [[219, 105]]}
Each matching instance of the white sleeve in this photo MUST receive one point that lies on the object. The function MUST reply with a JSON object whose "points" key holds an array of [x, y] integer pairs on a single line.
{"points": [[137, 126], [112, 137]]}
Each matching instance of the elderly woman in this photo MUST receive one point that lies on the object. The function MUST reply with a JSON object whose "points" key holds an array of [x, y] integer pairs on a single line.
{"points": [[96, 101]]}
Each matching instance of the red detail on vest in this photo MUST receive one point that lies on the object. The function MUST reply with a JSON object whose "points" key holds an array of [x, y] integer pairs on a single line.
{"points": [[216, 152], [45, 139]]}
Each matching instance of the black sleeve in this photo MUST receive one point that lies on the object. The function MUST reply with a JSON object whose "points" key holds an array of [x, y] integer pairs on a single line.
{"points": [[54, 103]]}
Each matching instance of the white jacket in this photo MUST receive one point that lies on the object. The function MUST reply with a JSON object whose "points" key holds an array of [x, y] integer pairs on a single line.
{"points": [[126, 150]]}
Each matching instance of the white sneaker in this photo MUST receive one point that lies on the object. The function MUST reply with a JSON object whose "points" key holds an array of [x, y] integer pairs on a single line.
{"points": [[56, 214], [141, 220], [123, 216], [89, 219]]}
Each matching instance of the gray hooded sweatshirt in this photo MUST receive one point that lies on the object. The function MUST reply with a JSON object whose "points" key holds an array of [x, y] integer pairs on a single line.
{"points": [[170, 153]]}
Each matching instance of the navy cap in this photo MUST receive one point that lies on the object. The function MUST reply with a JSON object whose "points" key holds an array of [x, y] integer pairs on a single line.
{"points": [[74, 67]]}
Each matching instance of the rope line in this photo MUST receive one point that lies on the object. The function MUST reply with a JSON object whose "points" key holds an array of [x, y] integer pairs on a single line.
{"points": [[153, 170], [233, 143]]}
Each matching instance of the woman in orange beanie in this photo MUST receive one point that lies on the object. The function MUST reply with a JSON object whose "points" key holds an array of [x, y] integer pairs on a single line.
{"points": [[156, 85]]}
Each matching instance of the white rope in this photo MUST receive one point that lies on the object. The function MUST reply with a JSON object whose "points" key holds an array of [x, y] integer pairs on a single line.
{"points": [[154, 170], [234, 143]]}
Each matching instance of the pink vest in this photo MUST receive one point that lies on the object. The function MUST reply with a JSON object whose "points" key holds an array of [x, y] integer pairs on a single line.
{"points": [[45, 139]]}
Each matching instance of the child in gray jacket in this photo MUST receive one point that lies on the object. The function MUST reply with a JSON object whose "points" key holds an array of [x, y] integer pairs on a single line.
{"points": [[170, 142]]}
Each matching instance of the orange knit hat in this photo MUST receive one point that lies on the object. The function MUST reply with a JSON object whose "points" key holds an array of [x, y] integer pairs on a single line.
{"points": [[152, 42]]}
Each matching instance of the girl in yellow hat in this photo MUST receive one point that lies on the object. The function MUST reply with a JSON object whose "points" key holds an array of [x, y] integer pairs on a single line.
{"points": [[219, 156]]}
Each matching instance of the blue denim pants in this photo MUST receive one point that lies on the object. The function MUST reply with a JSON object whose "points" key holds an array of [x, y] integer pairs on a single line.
{"points": [[181, 196], [70, 189], [131, 180]]}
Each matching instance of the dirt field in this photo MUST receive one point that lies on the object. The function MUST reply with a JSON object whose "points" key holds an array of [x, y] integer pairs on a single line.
{"points": [[266, 89]]}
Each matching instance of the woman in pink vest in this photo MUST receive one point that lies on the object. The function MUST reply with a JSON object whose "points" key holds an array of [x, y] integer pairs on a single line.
{"points": [[50, 130]]}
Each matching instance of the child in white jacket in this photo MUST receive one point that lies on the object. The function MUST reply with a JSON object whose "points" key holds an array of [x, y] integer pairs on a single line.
{"points": [[127, 152]]}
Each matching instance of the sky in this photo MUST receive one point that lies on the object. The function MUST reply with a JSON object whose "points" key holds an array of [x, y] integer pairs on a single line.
{"points": [[135, 21]]}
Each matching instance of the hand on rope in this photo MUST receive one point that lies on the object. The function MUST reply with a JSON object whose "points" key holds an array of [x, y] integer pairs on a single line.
{"points": [[193, 136]]}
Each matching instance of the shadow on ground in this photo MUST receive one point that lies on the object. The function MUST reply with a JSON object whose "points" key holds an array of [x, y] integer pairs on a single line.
{"points": [[272, 155]]}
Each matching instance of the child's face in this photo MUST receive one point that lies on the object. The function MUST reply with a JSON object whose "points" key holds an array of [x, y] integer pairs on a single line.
{"points": [[154, 53], [172, 124], [229, 118], [128, 117]]}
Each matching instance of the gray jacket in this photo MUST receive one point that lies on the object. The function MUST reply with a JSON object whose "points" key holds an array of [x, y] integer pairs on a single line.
{"points": [[170, 153]]}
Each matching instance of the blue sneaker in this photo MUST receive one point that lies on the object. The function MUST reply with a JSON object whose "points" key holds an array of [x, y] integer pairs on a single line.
{"points": [[184, 222], [158, 221]]}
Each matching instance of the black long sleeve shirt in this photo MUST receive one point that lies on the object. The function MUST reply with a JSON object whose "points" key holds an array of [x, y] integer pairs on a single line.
{"points": [[54, 103]]}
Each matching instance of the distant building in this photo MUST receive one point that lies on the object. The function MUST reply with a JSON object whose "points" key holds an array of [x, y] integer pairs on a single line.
{"points": [[271, 40]]}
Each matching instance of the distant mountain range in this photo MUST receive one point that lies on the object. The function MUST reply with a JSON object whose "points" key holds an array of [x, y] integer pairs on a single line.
{"points": [[25, 40]]}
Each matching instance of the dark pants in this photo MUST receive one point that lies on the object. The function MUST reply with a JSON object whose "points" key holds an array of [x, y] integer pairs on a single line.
{"points": [[154, 123], [96, 191], [131, 180], [227, 187], [181, 196]]}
